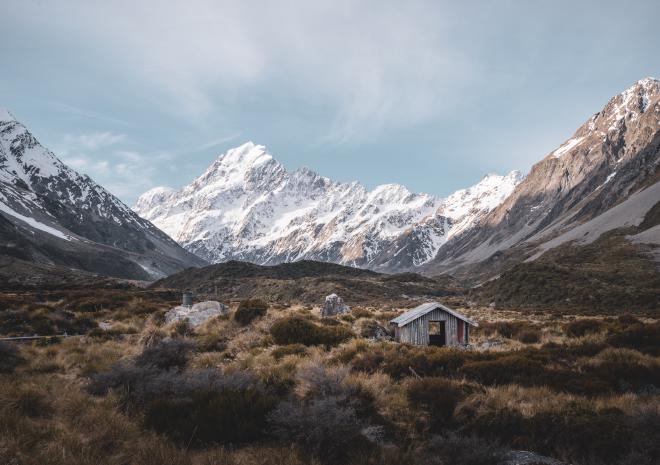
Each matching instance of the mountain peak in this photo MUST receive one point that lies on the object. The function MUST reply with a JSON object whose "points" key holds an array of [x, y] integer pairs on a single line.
{"points": [[5, 115], [247, 206], [648, 80], [248, 154]]}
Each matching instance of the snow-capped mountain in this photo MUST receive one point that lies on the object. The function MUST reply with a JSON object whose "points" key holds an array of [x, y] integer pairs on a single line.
{"points": [[51, 214], [604, 177], [247, 206]]}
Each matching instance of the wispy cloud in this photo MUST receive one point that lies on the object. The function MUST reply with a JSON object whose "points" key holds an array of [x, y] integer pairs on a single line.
{"points": [[371, 64], [214, 143], [93, 141], [85, 113], [103, 156]]}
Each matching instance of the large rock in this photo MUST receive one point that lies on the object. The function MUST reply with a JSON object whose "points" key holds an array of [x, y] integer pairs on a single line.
{"points": [[198, 313], [334, 306]]}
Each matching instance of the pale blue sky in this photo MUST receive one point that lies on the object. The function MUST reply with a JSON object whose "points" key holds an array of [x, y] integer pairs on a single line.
{"points": [[431, 95]]}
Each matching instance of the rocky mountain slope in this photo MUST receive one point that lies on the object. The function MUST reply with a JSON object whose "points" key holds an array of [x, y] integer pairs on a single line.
{"points": [[247, 206], [52, 215], [603, 178]]}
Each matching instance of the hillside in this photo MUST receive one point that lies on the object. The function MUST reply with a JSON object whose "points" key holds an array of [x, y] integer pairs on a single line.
{"points": [[603, 178], [308, 281], [52, 215]]}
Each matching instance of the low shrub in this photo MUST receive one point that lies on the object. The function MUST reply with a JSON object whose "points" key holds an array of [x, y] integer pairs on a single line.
{"points": [[173, 353], [507, 329], [361, 313], [371, 329], [329, 321], [291, 349], [249, 310], [296, 330], [437, 396], [191, 407], [182, 328], [332, 419], [579, 328], [469, 450], [627, 320], [642, 337], [578, 435], [397, 360], [529, 336], [212, 342], [10, 357], [32, 402], [510, 368], [211, 417]]}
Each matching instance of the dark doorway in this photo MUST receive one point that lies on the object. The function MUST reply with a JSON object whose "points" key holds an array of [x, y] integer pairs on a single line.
{"points": [[437, 333]]}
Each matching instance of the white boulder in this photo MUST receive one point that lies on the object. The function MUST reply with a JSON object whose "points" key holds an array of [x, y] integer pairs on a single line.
{"points": [[198, 313], [334, 306]]}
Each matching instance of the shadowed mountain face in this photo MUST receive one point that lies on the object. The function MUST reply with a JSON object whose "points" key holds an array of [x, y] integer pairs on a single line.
{"points": [[571, 196], [52, 215]]}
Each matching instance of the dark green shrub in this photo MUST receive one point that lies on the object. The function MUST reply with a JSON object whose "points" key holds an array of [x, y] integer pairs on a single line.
{"points": [[471, 450], [32, 403], [211, 417], [507, 329], [396, 360], [168, 354], [507, 369], [329, 321], [291, 349], [437, 396], [505, 424], [10, 358], [529, 336], [627, 320], [105, 334], [642, 337], [325, 428], [296, 330], [579, 328], [361, 313], [249, 310], [212, 343], [182, 328]]}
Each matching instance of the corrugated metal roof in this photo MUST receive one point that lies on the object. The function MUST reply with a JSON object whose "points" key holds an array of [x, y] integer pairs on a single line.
{"points": [[423, 309]]}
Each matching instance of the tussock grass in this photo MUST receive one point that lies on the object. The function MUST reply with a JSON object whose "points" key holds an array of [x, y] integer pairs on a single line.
{"points": [[583, 392]]}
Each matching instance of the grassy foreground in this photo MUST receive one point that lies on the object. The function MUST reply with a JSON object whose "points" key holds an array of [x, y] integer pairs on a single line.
{"points": [[288, 387]]}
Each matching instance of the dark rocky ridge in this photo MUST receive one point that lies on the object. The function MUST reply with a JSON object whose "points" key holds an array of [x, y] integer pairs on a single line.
{"points": [[52, 215], [308, 281]]}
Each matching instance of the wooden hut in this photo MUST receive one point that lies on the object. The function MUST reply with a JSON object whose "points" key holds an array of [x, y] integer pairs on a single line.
{"points": [[432, 324]]}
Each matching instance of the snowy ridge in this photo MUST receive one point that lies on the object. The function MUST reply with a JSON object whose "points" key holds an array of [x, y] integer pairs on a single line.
{"points": [[609, 157], [246, 206], [40, 194]]}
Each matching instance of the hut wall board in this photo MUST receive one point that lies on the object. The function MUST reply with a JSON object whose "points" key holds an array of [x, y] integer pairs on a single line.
{"points": [[417, 331]]}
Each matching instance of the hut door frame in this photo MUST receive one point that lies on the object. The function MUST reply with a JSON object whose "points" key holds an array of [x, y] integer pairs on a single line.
{"points": [[437, 333]]}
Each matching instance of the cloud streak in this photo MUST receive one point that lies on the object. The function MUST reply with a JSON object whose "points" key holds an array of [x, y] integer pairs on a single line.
{"points": [[372, 64]]}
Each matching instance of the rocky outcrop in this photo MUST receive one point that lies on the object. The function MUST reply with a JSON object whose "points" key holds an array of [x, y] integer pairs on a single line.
{"points": [[197, 314], [334, 305]]}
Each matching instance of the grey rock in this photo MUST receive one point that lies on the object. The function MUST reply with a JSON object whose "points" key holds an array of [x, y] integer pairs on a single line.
{"points": [[334, 305], [198, 313]]}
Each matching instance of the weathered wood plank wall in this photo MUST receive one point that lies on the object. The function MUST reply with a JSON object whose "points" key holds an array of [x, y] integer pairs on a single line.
{"points": [[417, 331]]}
